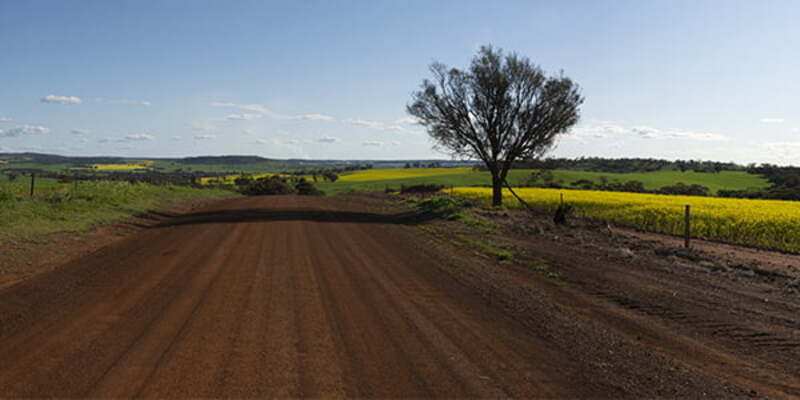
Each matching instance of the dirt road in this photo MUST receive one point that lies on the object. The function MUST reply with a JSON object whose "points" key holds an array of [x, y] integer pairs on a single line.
{"points": [[300, 297]]}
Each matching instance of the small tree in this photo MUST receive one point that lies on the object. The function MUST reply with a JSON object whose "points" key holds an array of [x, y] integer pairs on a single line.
{"points": [[502, 109]]}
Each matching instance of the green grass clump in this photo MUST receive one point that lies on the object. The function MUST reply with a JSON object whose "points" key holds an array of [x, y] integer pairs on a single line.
{"points": [[500, 251], [76, 207], [449, 208]]}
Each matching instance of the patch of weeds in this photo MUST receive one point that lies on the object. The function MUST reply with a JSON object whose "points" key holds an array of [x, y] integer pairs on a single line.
{"points": [[445, 207], [481, 225], [555, 275], [546, 270], [429, 229], [500, 251]]}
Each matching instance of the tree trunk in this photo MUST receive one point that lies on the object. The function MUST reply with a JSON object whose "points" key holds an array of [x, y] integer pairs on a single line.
{"points": [[497, 190]]}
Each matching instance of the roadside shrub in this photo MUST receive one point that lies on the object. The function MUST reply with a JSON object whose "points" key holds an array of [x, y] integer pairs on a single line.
{"points": [[446, 207], [268, 186], [306, 188], [279, 185], [687, 190], [422, 188]]}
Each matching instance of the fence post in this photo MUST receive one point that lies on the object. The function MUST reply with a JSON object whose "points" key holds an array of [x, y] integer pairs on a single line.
{"points": [[33, 182], [687, 227]]}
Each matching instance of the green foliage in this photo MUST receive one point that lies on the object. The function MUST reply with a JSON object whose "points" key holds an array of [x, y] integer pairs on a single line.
{"points": [[76, 207], [270, 185], [450, 208], [306, 188], [275, 184]]}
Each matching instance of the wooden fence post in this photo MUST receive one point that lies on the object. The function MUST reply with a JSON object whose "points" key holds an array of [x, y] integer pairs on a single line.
{"points": [[33, 182], [687, 227]]}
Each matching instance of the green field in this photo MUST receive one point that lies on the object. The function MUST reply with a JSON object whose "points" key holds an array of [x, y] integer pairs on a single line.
{"points": [[728, 180], [76, 207]]}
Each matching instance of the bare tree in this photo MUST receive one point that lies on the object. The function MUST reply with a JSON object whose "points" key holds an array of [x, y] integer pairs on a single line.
{"points": [[502, 109]]}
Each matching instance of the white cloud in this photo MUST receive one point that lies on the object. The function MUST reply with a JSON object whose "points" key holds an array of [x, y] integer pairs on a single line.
{"points": [[606, 129], [795, 130], [78, 131], [176, 138], [205, 137], [398, 125], [373, 143], [242, 117], [292, 142], [104, 140], [328, 139], [261, 110], [645, 132], [700, 136], [202, 127], [772, 120], [138, 137], [123, 101], [5, 119], [255, 108], [394, 143], [366, 123], [51, 98], [24, 130], [262, 141], [407, 121], [313, 117]]}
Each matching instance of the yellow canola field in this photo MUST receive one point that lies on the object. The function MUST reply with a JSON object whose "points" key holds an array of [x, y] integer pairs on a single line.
{"points": [[399, 173], [118, 167], [770, 224]]}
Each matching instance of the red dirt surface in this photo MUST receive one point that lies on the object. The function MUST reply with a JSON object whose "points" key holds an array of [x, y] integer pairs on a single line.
{"points": [[288, 296]]}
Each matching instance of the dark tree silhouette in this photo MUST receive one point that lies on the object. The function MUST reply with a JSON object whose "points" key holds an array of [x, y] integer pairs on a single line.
{"points": [[501, 109]]}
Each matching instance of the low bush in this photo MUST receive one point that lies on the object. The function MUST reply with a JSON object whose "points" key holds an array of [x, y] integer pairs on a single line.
{"points": [[306, 188], [446, 207], [268, 186], [275, 184], [422, 188]]}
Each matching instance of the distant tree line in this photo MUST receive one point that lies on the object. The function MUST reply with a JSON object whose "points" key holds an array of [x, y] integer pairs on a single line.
{"points": [[418, 164], [626, 165], [785, 183], [546, 179]]}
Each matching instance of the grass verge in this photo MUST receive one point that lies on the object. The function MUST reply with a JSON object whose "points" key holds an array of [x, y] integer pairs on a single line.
{"points": [[77, 208]]}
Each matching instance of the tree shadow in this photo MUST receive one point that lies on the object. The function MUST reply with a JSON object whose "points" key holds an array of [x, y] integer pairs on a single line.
{"points": [[163, 220]]}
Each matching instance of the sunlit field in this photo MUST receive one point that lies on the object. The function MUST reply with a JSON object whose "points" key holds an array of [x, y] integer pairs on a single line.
{"points": [[115, 167], [399, 173], [762, 223]]}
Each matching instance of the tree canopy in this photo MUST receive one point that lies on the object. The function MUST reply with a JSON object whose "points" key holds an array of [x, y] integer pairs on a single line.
{"points": [[501, 109]]}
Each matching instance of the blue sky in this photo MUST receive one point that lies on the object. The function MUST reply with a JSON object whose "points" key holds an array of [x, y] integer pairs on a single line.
{"points": [[330, 79]]}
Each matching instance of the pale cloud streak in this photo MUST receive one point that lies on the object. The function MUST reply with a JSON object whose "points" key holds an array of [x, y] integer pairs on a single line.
{"points": [[605, 129], [138, 137], [242, 117], [397, 125], [24, 130], [78, 131], [205, 137], [328, 139], [123, 101], [260, 110], [51, 98], [772, 120], [5, 119]]}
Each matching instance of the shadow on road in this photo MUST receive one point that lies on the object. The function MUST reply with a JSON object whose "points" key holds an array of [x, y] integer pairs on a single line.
{"points": [[163, 220]]}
